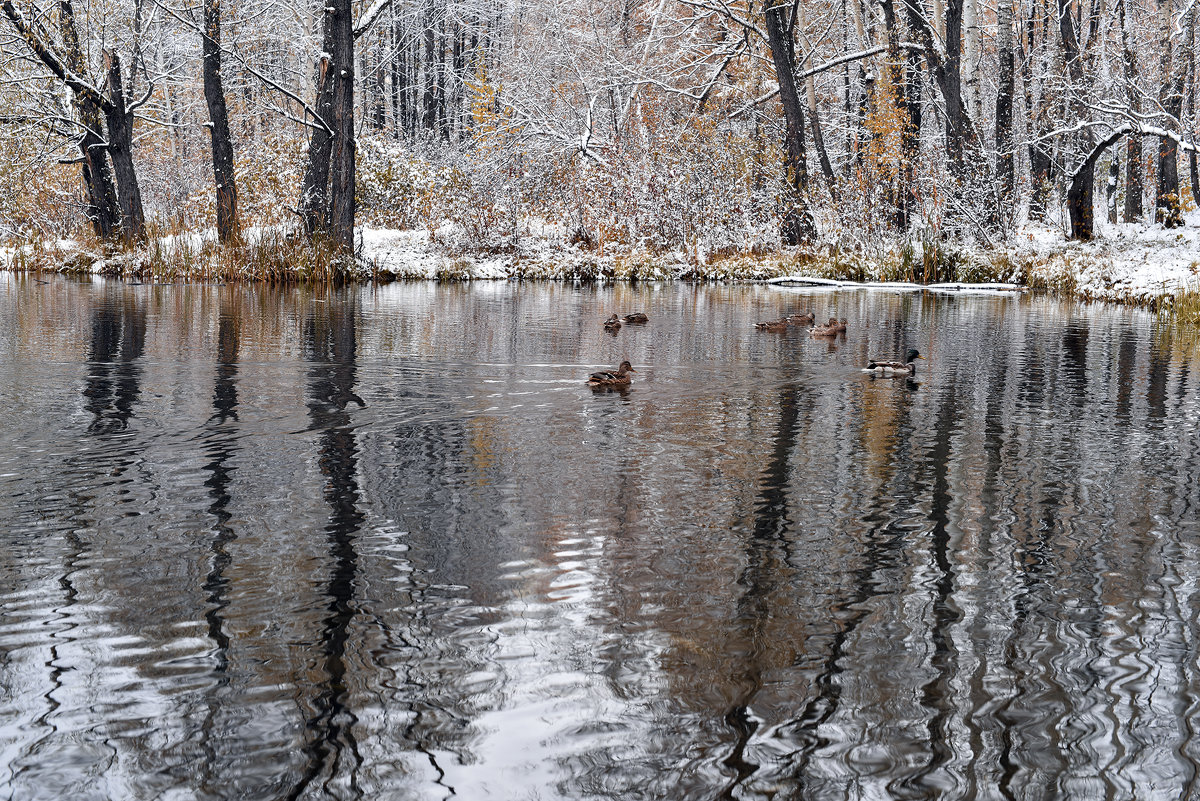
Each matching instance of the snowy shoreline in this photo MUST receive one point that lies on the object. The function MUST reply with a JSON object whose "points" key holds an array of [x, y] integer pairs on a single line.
{"points": [[1140, 264]]}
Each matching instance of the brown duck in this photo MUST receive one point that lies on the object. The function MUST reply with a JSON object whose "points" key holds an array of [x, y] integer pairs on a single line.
{"points": [[830, 329], [620, 378]]}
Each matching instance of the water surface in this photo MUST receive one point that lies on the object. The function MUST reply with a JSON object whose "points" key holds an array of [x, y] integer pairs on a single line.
{"points": [[384, 543]]}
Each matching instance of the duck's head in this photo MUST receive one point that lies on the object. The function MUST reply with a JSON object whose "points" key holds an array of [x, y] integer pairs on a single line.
{"points": [[626, 367], [912, 355]]}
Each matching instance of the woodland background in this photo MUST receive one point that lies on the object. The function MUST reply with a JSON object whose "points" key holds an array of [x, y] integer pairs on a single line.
{"points": [[700, 126]]}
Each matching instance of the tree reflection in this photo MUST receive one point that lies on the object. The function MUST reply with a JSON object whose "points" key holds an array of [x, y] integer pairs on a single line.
{"points": [[118, 339], [330, 345], [220, 447]]}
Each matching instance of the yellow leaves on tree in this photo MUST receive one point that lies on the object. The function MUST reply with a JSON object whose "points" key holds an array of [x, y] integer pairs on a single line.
{"points": [[885, 123], [487, 116]]}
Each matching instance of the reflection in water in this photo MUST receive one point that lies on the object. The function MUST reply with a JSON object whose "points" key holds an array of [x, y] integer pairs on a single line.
{"points": [[384, 543], [330, 343], [220, 449], [117, 342]]}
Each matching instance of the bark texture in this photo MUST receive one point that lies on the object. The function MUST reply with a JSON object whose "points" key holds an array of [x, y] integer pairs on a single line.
{"points": [[218, 128]]}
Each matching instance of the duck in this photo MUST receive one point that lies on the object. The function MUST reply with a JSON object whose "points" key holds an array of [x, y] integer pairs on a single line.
{"points": [[637, 317], [830, 329], [612, 323], [772, 325], [801, 319], [906, 367], [605, 378]]}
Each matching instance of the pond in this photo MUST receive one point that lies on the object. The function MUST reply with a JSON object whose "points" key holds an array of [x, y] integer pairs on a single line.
{"points": [[385, 543]]}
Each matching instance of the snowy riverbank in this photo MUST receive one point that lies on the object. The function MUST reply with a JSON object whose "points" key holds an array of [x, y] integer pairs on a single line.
{"points": [[1126, 263]]}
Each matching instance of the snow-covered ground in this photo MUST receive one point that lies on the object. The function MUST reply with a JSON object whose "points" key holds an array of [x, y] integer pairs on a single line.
{"points": [[1126, 262]]}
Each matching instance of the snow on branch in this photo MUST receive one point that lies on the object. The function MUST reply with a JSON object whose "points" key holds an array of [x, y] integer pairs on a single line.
{"points": [[50, 59], [1122, 130], [369, 17], [828, 65]]}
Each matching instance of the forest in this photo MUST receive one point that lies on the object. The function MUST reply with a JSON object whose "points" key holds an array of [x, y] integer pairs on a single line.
{"points": [[707, 127]]}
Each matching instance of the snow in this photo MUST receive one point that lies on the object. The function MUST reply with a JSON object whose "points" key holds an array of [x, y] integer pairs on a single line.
{"points": [[892, 286], [1136, 263], [1132, 262]]}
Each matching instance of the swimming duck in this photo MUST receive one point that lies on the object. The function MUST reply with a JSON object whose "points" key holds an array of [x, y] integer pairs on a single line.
{"points": [[612, 323], [830, 329], [637, 317], [906, 367], [801, 319], [620, 378], [772, 325]]}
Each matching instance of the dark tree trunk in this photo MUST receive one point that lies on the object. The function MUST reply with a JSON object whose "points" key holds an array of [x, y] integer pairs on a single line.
{"points": [[430, 68], [1167, 209], [314, 188], [1040, 164], [1194, 166], [120, 150], [1082, 192], [1005, 169], [1110, 189], [814, 120], [103, 209], [341, 171], [1133, 147], [1167, 202], [218, 127], [1079, 192], [443, 70], [458, 80], [797, 224], [399, 106], [910, 140], [950, 80]]}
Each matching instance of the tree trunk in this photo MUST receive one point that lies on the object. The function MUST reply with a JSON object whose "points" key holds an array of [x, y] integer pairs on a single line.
{"points": [[103, 209], [1040, 164], [120, 150], [797, 224], [1110, 189], [958, 137], [314, 188], [218, 127], [399, 97], [814, 121], [341, 171], [430, 68], [1167, 203], [443, 69], [1079, 192], [1074, 59], [1193, 161], [1133, 147], [1005, 169]]}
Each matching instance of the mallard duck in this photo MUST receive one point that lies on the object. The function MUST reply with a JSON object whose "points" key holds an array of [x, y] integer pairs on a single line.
{"points": [[906, 367], [620, 378], [801, 319], [830, 329], [612, 323], [772, 325], [637, 317]]}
